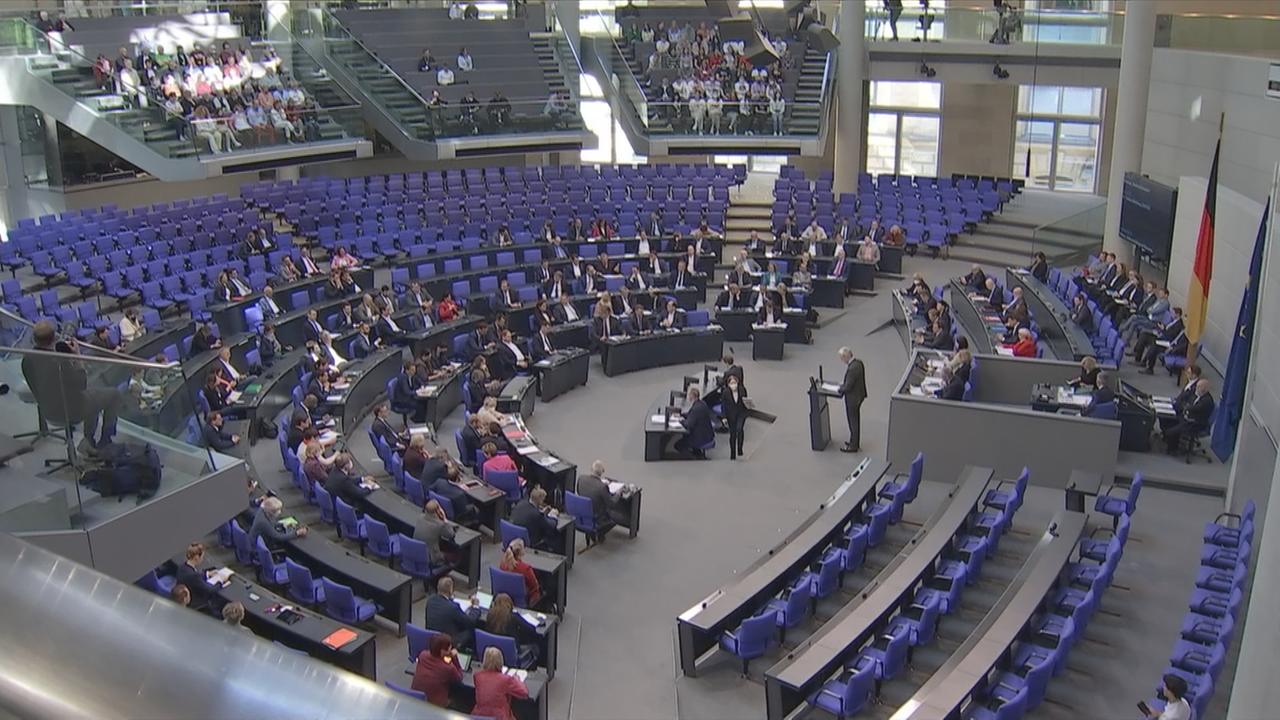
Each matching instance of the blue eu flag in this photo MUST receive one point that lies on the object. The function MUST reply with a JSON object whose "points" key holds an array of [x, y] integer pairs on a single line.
{"points": [[1227, 421]]}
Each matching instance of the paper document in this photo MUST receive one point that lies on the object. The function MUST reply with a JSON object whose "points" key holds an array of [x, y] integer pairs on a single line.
{"points": [[533, 618], [615, 487], [234, 396], [419, 429], [220, 576], [484, 599], [656, 418], [527, 449], [516, 673], [1008, 352], [548, 460], [1164, 344], [334, 398], [830, 387], [543, 364], [327, 436], [916, 390]]}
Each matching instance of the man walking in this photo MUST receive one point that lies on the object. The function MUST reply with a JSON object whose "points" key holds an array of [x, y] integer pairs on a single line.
{"points": [[854, 391]]}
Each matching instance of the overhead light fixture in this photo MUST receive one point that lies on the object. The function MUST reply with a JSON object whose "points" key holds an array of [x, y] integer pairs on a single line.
{"points": [[1000, 72], [927, 71]]}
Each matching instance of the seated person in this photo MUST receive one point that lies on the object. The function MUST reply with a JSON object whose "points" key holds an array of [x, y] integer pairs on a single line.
{"points": [[976, 279], [497, 461], [1193, 420], [1088, 376], [542, 346], [265, 525], [396, 438], [953, 385], [1026, 345], [510, 358], [535, 516], [732, 298], [501, 618], [437, 670], [343, 483], [444, 615], [1102, 393], [697, 424], [216, 435], [639, 320], [672, 317], [513, 562]]}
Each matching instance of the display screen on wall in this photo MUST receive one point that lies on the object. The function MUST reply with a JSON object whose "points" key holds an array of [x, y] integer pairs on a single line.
{"points": [[1146, 215]]}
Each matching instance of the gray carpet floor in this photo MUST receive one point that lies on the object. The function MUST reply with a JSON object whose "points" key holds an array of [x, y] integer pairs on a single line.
{"points": [[704, 521]]}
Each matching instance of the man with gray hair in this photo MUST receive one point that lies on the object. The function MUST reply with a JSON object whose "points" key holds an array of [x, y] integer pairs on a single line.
{"points": [[605, 506], [265, 526], [854, 390], [1102, 394]]}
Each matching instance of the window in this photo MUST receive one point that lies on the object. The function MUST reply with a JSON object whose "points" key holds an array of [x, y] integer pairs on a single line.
{"points": [[903, 128], [1056, 137]]}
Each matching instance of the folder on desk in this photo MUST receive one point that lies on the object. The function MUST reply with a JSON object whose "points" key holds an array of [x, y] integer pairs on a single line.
{"points": [[339, 637], [1008, 352], [253, 388], [234, 396], [334, 398], [830, 388], [916, 391], [419, 429], [527, 449], [220, 577]]}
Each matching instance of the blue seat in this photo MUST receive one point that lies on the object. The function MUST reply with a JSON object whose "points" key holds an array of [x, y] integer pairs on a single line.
{"points": [[268, 571], [512, 656], [1008, 500], [1215, 605], [508, 531], [826, 580], [887, 654], [406, 691], [240, 542], [1000, 709], [501, 581], [1098, 550], [793, 606], [751, 639], [848, 694], [854, 550], [343, 605], [583, 512], [909, 487], [159, 584], [419, 639], [350, 526], [379, 541], [1219, 532], [324, 501], [919, 619], [302, 587], [877, 525], [1034, 678], [1117, 506], [508, 481]]}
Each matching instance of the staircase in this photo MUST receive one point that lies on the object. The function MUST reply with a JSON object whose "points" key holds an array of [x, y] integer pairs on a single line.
{"points": [[1032, 223], [626, 57], [740, 219], [341, 112], [805, 117], [403, 105], [560, 71]]}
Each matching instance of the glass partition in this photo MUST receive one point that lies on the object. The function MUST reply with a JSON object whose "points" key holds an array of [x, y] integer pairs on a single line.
{"points": [[1030, 24], [1069, 242], [51, 401]]}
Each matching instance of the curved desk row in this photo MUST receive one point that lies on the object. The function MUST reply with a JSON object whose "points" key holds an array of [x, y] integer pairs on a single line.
{"points": [[944, 694], [905, 318], [700, 626], [1066, 339], [621, 355], [230, 315], [738, 324], [812, 663], [981, 324]]}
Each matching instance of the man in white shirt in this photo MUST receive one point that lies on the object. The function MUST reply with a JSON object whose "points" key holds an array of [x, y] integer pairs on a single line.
{"points": [[267, 305], [131, 327], [444, 76], [464, 61], [513, 355], [240, 287], [337, 360], [566, 311], [814, 233], [1174, 694], [224, 360]]}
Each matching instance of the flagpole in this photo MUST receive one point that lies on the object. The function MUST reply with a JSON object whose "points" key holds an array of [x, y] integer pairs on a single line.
{"points": [[1253, 341]]}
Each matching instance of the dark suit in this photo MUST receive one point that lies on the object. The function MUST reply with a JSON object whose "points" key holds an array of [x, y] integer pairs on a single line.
{"points": [[443, 615], [263, 527], [674, 320], [1083, 317], [475, 344], [605, 327], [698, 429], [733, 302], [604, 504], [433, 477], [1040, 271], [679, 278], [562, 316], [403, 398], [854, 390], [1193, 421], [343, 485], [541, 527], [217, 438], [312, 329], [734, 409], [505, 363], [1101, 395], [361, 346], [953, 390], [976, 279], [633, 284], [268, 349], [639, 323], [555, 289], [996, 299], [540, 346]]}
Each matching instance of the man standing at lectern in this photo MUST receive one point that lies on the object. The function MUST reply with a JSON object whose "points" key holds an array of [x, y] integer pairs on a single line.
{"points": [[854, 391]]}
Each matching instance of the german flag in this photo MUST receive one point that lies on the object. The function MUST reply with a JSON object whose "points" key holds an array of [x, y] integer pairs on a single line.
{"points": [[1202, 270]]}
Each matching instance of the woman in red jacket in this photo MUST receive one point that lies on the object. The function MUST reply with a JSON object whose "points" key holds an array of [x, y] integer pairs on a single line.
{"points": [[447, 309], [495, 689], [1026, 345], [437, 670], [513, 562]]}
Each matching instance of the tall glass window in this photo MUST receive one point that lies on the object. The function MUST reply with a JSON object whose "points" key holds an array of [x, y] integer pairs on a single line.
{"points": [[1056, 137], [904, 127]]}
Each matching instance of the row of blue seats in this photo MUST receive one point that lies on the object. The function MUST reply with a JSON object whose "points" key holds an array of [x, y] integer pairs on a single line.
{"points": [[1200, 653], [885, 657], [753, 637]]}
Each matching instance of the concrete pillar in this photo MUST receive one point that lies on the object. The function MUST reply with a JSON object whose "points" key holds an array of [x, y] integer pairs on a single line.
{"points": [[279, 20], [288, 172], [1131, 113], [851, 74], [569, 12], [13, 180]]}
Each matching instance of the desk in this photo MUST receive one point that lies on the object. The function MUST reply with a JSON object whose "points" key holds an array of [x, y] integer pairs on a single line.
{"points": [[369, 378], [230, 315], [553, 576], [627, 513], [812, 663], [890, 260], [797, 326], [660, 433], [862, 276], [1081, 483], [983, 328], [767, 341], [559, 373], [571, 335], [700, 626], [547, 631], [377, 582], [947, 690], [905, 319], [532, 708], [828, 291], [626, 354], [261, 616], [517, 396], [736, 324], [537, 464], [1065, 339], [401, 516]]}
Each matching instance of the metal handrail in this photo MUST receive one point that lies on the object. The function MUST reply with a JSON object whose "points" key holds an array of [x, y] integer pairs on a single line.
{"points": [[324, 37]]}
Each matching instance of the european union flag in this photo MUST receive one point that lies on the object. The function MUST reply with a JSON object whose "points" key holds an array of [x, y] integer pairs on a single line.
{"points": [[1227, 422]]}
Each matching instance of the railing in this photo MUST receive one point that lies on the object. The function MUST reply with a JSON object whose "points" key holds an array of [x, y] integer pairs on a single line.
{"points": [[1024, 25], [733, 118], [1071, 239], [248, 14], [429, 118]]}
